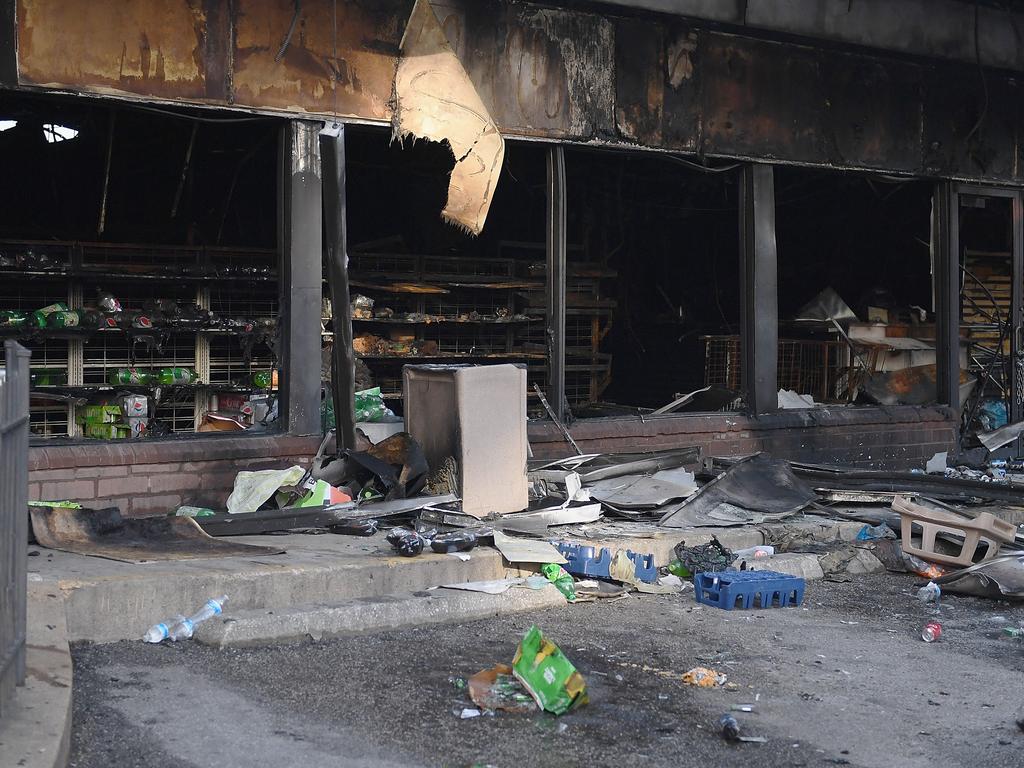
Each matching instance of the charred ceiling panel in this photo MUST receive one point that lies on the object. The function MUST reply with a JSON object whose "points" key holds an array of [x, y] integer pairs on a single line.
{"points": [[540, 71], [682, 79], [639, 80], [761, 99], [297, 75], [871, 112], [145, 47], [965, 134]]}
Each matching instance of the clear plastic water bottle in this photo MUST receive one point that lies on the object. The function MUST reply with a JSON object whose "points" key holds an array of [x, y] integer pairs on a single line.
{"points": [[160, 632], [183, 629]]}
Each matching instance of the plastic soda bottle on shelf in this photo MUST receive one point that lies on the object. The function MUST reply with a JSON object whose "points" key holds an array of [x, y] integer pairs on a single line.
{"points": [[64, 319], [40, 315], [172, 376], [129, 376]]}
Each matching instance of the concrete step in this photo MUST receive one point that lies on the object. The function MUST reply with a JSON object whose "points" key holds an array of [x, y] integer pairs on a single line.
{"points": [[369, 614], [108, 601]]}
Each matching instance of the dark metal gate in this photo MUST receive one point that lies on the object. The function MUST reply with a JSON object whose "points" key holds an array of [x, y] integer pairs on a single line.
{"points": [[14, 386]]}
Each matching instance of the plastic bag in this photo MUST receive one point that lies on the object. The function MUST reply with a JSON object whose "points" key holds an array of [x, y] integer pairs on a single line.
{"points": [[458, 541], [406, 542]]}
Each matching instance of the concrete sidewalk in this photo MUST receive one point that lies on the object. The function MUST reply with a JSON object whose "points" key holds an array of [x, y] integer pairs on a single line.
{"points": [[323, 586]]}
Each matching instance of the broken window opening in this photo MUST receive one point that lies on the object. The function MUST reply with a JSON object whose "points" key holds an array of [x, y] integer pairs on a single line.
{"points": [[6, 125], [425, 291], [54, 133], [653, 285], [856, 317], [989, 317], [181, 284]]}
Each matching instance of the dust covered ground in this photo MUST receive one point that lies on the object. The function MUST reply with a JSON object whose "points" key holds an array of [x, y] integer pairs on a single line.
{"points": [[844, 680]]}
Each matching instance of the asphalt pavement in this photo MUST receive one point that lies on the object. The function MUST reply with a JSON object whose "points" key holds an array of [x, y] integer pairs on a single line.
{"points": [[844, 680]]}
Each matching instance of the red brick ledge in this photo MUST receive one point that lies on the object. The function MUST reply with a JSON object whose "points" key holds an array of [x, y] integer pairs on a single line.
{"points": [[206, 448]]}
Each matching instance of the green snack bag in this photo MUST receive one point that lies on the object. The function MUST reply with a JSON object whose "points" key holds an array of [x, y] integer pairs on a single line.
{"points": [[547, 674], [562, 580]]}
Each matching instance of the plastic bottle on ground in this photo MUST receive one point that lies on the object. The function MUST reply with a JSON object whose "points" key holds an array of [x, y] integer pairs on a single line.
{"points": [[183, 629], [159, 632]]}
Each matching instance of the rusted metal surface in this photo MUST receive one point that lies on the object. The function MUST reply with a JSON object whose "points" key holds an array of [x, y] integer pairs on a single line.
{"points": [[145, 47], [542, 72], [368, 33]]}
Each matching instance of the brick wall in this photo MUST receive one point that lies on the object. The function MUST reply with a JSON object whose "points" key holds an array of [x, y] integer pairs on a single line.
{"points": [[146, 478], [899, 437]]}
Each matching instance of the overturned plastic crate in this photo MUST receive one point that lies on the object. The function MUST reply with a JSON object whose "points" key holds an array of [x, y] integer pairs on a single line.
{"points": [[595, 562], [724, 589]]}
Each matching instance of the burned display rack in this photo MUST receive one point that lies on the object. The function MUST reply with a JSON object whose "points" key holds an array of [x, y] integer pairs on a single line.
{"points": [[986, 294], [438, 309], [73, 366]]}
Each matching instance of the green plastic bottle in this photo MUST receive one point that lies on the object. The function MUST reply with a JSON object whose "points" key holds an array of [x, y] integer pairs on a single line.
{"points": [[176, 376], [11, 318], [676, 568], [134, 376], [40, 315], [262, 379], [64, 319]]}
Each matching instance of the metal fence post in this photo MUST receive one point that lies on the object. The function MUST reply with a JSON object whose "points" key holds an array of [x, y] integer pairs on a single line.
{"points": [[14, 389]]}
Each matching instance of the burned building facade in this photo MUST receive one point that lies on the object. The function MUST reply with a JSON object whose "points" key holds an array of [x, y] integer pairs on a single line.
{"points": [[703, 215]]}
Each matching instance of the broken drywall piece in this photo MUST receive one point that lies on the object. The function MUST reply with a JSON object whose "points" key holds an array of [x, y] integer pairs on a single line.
{"points": [[435, 99]]}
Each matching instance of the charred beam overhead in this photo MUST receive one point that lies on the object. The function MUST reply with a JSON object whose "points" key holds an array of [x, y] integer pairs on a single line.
{"points": [[555, 73]]}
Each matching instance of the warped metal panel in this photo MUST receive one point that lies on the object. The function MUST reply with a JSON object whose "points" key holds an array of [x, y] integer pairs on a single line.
{"points": [[762, 99], [146, 47], [368, 34]]}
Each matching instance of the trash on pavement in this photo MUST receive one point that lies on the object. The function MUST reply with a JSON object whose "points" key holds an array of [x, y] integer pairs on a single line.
{"points": [[498, 688], [930, 593], [253, 489], [547, 674], [872, 532], [468, 712], [105, 533], [704, 677], [729, 727], [595, 562], [753, 490], [563, 582], [703, 557], [356, 527], [406, 542], [1000, 577], [451, 543], [181, 627], [931, 632], [496, 587], [985, 528], [723, 589], [517, 550]]}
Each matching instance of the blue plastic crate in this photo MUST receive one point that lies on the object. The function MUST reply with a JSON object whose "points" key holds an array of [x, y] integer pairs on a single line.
{"points": [[724, 589], [595, 562]]}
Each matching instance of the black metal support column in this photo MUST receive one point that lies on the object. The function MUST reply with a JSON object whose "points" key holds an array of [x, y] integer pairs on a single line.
{"points": [[343, 372], [8, 43], [1017, 312], [946, 260], [301, 269], [759, 274], [556, 255]]}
